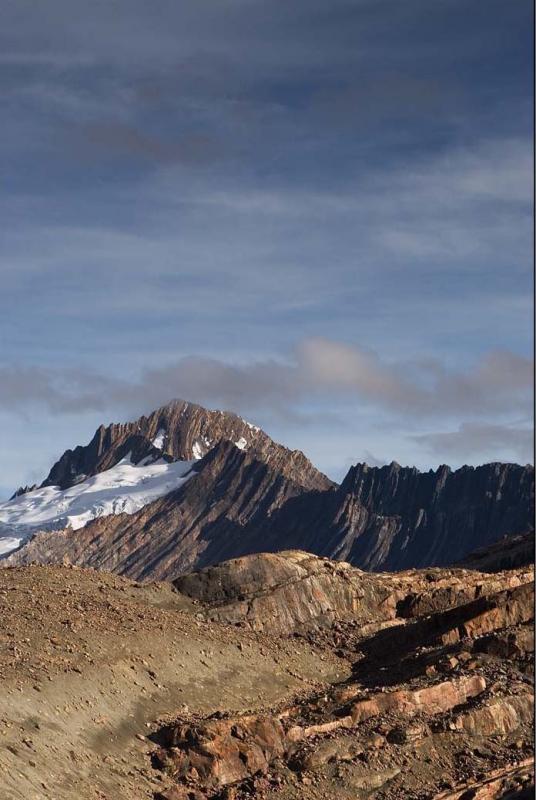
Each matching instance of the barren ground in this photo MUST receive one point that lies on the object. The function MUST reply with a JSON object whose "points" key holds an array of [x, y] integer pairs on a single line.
{"points": [[89, 663]]}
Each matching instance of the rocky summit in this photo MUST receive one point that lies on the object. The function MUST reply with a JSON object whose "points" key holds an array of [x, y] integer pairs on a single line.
{"points": [[268, 677], [178, 431], [185, 487]]}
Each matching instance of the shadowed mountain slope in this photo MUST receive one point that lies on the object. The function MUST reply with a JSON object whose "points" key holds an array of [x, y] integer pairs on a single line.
{"points": [[510, 552], [200, 523], [397, 517]]}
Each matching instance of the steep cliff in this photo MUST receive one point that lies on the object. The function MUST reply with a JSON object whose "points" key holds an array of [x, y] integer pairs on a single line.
{"points": [[235, 504], [510, 552], [230, 493]]}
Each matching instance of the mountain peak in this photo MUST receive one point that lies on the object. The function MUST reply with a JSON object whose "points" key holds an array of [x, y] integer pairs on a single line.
{"points": [[178, 431]]}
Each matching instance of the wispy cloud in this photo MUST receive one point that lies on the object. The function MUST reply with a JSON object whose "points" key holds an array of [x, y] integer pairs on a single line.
{"points": [[500, 382], [336, 401], [58, 391], [512, 441]]}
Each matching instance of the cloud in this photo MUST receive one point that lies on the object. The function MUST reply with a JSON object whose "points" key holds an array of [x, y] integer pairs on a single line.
{"points": [[501, 382], [337, 402], [60, 391], [487, 439], [370, 459], [261, 248]]}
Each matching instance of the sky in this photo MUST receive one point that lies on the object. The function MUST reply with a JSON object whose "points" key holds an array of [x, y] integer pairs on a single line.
{"points": [[317, 215]]}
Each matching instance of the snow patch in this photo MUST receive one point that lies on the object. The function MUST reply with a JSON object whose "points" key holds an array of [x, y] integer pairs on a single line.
{"points": [[201, 447], [197, 451], [9, 543], [158, 441], [241, 443], [250, 426], [123, 489]]}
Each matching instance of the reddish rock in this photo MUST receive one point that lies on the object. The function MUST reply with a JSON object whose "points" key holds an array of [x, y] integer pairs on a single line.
{"points": [[430, 700], [501, 716], [494, 786], [226, 751]]}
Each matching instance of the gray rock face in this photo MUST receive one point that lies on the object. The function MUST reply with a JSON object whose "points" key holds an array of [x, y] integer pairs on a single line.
{"points": [[396, 517]]}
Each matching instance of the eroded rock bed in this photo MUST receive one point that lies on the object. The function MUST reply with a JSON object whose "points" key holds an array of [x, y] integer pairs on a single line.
{"points": [[271, 676]]}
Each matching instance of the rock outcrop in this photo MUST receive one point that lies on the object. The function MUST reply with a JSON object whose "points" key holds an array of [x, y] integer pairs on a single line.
{"points": [[221, 752], [294, 590], [364, 686], [508, 553], [500, 717], [487, 613]]}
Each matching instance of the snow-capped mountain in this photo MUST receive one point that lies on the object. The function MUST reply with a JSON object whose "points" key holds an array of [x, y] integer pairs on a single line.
{"points": [[178, 431], [128, 465]]}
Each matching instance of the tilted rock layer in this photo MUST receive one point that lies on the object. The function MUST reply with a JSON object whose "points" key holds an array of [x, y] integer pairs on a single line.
{"points": [[292, 590], [508, 553], [397, 517], [180, 431]]}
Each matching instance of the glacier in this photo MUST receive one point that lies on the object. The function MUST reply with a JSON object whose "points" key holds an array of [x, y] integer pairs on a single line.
{"points": [[122, 489]]}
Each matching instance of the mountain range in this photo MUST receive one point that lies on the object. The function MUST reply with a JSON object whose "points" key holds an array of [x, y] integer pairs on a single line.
{"points": [[186, 487]]}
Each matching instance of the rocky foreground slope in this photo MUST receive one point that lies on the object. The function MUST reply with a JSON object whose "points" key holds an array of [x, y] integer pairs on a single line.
{"points": [[278, 676], [237, 492]]}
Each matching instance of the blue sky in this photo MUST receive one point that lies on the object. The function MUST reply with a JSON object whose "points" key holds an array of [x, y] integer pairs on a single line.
{"points": [[317, 215]]}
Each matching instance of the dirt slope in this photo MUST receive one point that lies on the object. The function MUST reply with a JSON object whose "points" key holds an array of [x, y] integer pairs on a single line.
{"points": [[89, 661]]}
